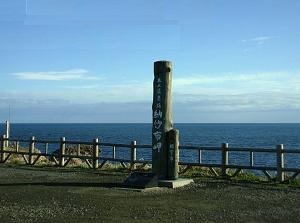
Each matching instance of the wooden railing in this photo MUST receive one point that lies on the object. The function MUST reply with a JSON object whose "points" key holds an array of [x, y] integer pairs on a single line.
{"points": [[280, 169], [95, 159], [61, 157]]}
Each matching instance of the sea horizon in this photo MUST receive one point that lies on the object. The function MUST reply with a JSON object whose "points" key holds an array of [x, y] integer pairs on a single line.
{"points": [[151, 122]]}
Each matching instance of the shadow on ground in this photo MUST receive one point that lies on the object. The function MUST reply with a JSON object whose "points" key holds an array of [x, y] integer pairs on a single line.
{"points": [[65, 184]]}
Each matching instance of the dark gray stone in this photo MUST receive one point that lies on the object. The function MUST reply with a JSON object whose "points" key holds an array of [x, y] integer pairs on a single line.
{"points": [[141, 180]]}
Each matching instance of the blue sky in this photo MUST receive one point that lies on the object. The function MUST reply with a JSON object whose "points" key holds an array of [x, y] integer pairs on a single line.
{"points": [[92, 61]]}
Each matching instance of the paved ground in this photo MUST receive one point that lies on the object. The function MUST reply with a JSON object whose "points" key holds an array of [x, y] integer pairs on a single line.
{"points": [[35, 194]]}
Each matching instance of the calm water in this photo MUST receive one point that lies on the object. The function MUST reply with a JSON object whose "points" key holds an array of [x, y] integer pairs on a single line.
{"points": [[237, 135]]}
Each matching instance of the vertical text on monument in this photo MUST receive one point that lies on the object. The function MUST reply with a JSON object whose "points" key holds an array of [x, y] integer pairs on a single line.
{"points": [[157, 116]]}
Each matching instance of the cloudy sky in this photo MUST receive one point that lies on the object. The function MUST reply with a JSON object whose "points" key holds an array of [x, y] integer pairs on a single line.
{"points": [[92, 61]]}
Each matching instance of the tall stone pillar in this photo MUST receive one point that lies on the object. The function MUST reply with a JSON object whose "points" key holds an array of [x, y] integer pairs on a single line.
{"points": [[161, 116]]}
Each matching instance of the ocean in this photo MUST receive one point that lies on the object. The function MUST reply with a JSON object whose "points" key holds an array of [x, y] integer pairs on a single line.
{"points": [[237, 135]]}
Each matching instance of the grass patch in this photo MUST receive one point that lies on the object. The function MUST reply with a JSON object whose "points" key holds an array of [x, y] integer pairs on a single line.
{"points": [[295, 182], [246, 176], [243, 176]]}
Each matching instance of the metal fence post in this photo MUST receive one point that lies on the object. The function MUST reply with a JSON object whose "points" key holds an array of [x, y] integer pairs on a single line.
{"points": [[280, 163], [224, 159]]}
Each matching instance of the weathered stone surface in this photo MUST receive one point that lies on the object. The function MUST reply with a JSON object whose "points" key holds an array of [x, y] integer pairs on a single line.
{"points": [[173, 154], [162, 116], [175, 183], [141, 180]]}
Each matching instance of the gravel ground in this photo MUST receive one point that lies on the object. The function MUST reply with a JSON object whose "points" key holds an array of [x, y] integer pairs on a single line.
{"points": [[48, 194]]}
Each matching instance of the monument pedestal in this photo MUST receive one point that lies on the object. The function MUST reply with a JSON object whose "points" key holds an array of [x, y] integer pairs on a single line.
{"points": [[175, 183], [141, 180]]}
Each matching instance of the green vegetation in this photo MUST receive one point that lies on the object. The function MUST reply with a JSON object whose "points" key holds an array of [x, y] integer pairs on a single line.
{"points": [[196, 172], [295, 182]]}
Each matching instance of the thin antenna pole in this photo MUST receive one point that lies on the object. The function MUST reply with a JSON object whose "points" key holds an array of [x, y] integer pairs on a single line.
{"points": [[26, 5]]}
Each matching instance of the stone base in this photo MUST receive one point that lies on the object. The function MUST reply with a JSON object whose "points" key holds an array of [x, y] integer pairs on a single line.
{"points": [[145, 190], [141, 180], [175, 183]]}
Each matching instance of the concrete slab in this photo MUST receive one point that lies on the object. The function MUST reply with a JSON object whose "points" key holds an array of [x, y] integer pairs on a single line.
{"points": [[151, 189], [175, 183]]}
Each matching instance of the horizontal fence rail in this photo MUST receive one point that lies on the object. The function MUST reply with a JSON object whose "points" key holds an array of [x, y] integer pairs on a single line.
{"points": [[91, 153]]}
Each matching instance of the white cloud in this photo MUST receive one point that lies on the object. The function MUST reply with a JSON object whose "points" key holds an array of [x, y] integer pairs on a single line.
{"points": [[211, 79], [250, 80], [260, 101], [259, 40], [129, 91], [256, 91], [74, 74], [239, 92], [92, 86]]}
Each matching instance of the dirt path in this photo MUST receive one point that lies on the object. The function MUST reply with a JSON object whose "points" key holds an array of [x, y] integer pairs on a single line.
{"points": [[32, 194]]}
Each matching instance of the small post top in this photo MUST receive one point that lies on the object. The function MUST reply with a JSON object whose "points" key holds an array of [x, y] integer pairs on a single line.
{"points": [[280, 146], [63, 138], [162, 66], [162, 62], [96, 140], [174, 131], [225, 145]]}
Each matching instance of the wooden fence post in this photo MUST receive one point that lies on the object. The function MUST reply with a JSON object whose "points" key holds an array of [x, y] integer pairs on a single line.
{"points": [[199, 156], [114, 152], [251, 159], [280, 163], [17, 146], [31, 150], [96, 153], [224, 159], [133, 155], [78, 150], [2, 146], [62, 150], [7, 133], [5, 141], [46, 148]]}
